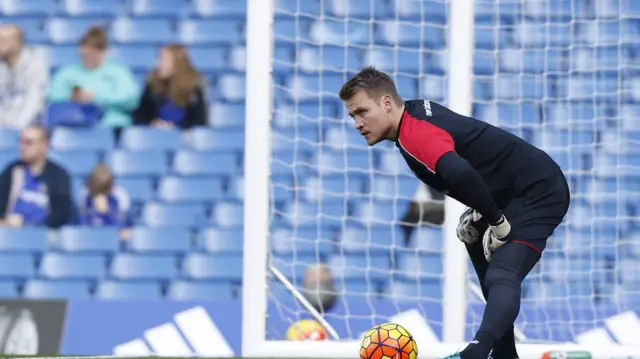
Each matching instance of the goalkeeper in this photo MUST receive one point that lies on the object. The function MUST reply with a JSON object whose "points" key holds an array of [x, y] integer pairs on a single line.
{"points": [[515, 193]]}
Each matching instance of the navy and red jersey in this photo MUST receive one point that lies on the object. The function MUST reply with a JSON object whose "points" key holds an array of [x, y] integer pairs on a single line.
{"points": [[508, 165]]}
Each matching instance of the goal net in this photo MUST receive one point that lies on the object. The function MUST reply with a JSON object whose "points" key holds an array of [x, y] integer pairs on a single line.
{"points": [[561, 74]]}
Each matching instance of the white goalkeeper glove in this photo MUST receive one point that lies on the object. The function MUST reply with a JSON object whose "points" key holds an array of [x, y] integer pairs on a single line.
{"points": [[466, 231], [495, 237]]}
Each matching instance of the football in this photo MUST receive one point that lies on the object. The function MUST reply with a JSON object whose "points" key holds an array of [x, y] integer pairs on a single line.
{"points": [[306, 329], [388, 341]]}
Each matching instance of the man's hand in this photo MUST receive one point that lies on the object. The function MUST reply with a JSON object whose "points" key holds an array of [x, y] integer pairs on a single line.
{"points": [[495, 237], [466, 230]]}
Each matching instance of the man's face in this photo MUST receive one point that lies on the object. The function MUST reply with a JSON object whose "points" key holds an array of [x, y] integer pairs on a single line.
{"points": [[8, 43], [33, 145], [371, 116], [91, 57]]}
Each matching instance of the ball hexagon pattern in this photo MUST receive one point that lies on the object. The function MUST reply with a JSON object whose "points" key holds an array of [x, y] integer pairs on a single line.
{"points": [[388, 341]]}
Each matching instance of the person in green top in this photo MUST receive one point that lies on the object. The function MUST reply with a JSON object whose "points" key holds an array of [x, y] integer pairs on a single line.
{"points": [[96, 80]]}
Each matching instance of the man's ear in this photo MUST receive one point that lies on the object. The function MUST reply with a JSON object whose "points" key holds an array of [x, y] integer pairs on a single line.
{"points": [[387, 103]]}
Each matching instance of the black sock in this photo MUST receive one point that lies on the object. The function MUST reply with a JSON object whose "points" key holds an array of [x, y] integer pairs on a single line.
{"points": [[480, 347], [506, 347]]}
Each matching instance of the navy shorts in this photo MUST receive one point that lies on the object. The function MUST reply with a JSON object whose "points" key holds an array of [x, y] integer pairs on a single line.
{"points": [[538, 212]]}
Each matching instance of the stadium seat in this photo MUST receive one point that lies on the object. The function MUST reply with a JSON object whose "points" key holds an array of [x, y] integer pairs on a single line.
{"points": [[357, 9], [220, 8], [305, 214], [142, 138], [140, 189], [373, 240], [128, 266], [358, 267], [392, 188], [215, 240], [231, 87], [380, 213], [328, 58], [160, 240], [90, 8], [209, 59], [28, 7], [192, 163], [155, 214], [189, 290], [77, 163], [56, 289], [413, 60], [60, 55], [8, 289], [190, 190], [302, 242], [23, 239], [138, 163], [70, 30], [208, 139], [200, 266], [136, 57], [427, 239], [9, 139], [199, 31], [227, 215], [159, 8], [16, 266], [420, 267], [332, 189], [89, 239], [123, 290], [142, 31], [82, 139], [73, 266], [332, 31], [227, 115]]}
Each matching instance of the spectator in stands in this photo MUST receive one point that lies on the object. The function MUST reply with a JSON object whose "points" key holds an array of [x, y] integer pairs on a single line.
{"points": [[427, 207], [173, 96], [23, 80], [95, 80], [318, 288], [105, 203], [35, 190]]}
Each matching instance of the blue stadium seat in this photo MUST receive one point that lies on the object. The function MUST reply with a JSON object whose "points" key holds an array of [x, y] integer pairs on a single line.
{"points": [[305, 214], [373, 268], [70, 30], [392, 163], [143, 31], [411, 291], [227, 115], [73, 266], [301, 142], [209, 59], [7, 157], [231, 87], [353, 161], [159, 8], [28, 7], [235, 189], [387, 59], [293, 7], [127, 266], [89, 239], [192, 163], [328, 58], [190, 189], [124, 290], [357, 9], [167, 215], [344, 137], [77, 163], [379, 212], [202, 266], [287, 29], [188, 290], [82, 139], [23, 239], [392, 188], [9, 139], [160, 240], [410, 34], [142, 138], [58, 289], [303, 242], [61, 55], [227, 215], [220, 8], [507, 113], [532, 35], [311, 87], [87, 8], [139, 189], [332, 31], [427, 238], [136, 57], [138, 163], [16, 266], [211, 31], [420, 267], [32, 29], [303, 115], [294, 266], [208, 139], [8, 289], [215, 240], [332, 189], [375, 240]]}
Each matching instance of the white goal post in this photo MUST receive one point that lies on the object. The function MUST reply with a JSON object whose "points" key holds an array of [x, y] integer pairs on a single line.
{"points": [[257, 207]]}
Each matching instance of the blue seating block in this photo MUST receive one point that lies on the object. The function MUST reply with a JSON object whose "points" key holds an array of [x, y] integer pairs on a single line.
{"points": [[89, 239], [70, 30], [89, 8], [138, 163], [192, 163], [125, 290], [23, 239], [190, 290], [202, 266], [227, 215], [56, 289], [211, 31], [142, 30], [16, 266], [28, 7], [129, 266], [140, 189], [77, 163], [160, 240], [221, 8], [155, 214], [159, 8], [82, 139], [9, 139], [190, 189], [141, 138], [208, 139], [215, 240], [73, 266], [8, 289]]}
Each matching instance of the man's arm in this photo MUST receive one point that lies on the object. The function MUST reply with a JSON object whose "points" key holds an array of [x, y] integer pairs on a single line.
{"points": [[466, 185], [38, 77]]}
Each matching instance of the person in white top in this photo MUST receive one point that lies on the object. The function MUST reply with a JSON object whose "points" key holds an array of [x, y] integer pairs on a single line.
{"points": [[24, 76]]}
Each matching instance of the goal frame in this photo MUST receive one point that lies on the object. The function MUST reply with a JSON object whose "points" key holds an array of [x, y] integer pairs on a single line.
{"points": [[259, 110]]}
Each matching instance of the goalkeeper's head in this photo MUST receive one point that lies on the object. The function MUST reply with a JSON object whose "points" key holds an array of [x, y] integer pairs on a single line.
{"points": [[373, 102]]}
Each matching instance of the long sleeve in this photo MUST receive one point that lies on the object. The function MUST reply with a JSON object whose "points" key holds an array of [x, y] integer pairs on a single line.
{"points": [[124, 96], [466, 185], [60, 202], [147, 109], [197, 112], [61, 85], [36, 79]]}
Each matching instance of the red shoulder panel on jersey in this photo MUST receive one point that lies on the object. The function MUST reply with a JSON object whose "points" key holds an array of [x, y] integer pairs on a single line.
{"points": [[424, 141]]}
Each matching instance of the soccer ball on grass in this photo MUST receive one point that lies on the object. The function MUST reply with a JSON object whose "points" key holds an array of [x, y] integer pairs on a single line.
{"points": [[388, 341]]}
